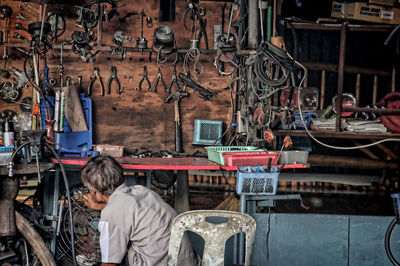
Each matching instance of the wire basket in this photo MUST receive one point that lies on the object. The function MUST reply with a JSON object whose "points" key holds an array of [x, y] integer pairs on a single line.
{"points": [[396, 205], [257, 180]]}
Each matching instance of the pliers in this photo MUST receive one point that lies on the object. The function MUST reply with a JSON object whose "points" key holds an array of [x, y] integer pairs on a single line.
{"points": [[93, 78], [173, 80], [203, 32], [113, 72], [144, 78], [159, 78]]}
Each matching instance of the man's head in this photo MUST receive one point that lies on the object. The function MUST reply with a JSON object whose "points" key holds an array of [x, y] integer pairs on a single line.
{"points": [[102, 173]]}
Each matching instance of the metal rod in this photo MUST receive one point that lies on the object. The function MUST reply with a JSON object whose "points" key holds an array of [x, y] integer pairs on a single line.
{"points": [[323, 86], [342, 56], [375, 90], [372, 110], [41, 27]]}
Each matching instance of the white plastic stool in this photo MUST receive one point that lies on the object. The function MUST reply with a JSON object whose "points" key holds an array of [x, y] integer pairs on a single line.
{"points": [[214, 235]]}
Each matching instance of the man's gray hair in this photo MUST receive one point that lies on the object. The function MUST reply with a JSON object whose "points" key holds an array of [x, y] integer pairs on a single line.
{"points": [[103, 173]]}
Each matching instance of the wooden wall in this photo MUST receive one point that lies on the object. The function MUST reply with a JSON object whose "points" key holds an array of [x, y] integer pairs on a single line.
{"points": [[141, 118]]}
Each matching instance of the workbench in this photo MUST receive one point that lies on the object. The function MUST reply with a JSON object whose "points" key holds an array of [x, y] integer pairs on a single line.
{"points": [[181, 165]]}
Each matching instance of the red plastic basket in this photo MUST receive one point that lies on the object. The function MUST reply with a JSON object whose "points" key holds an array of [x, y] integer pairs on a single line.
{"points": [[249, 158]]}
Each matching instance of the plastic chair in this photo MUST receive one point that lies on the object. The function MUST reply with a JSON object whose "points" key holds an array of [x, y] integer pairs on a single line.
{"points": [[214, 235]]}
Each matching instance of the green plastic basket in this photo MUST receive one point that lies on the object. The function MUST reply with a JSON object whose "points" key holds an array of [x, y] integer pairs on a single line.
{"points": [[215, 152]]}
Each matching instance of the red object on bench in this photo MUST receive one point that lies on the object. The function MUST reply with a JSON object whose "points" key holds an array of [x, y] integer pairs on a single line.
{"points": [[249, 158]]}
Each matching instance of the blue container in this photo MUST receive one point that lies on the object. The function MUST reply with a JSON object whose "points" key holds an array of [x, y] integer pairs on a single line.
{"points": [[256, 180], [396, 205], [71, 143], [207, 132]]}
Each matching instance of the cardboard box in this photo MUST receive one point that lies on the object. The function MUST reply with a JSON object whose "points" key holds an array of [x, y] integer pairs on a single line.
{"points": [[366, 12], [383, 2]]}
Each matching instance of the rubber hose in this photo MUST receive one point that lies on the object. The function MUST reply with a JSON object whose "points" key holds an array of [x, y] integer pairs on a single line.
{"points": [[71, 224], [387, 242]]}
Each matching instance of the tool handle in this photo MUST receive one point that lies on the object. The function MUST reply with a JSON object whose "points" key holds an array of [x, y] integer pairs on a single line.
{"points": [[178, 138]]}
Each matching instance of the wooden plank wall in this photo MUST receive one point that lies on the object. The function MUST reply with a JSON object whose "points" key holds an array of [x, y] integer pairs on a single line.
{"points": [[140, 119]]}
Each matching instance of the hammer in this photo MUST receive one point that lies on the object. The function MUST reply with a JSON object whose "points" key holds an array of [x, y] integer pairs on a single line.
{"points": [[177, 96]]}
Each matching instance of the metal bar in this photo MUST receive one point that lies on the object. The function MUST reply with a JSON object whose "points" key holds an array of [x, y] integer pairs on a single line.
{"points": [[54, 212], [341, 135], [338, 27], [342, 59], [182, 191], [372, 110], [375, 89], [323, 86]]}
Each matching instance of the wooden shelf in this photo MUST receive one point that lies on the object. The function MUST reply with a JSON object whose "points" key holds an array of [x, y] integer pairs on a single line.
{"points": [[338, 27], [333, 134]]}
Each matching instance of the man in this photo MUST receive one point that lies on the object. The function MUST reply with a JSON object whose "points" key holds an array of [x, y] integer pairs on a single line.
{"points": [[135, 222]]}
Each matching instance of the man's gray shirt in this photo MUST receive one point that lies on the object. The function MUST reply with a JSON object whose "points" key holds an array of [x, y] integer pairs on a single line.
{"points": [[137, 222]]}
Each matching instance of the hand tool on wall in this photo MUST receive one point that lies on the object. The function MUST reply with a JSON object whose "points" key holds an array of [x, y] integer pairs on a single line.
{"points": [[177, 96], [141, 42], [18, 26], [96, 76], [5, 48], [20, 16], [174, 80], [203, 32], [29, 11], [144, 78], [32, 8], [159, 78], [113, 72]]}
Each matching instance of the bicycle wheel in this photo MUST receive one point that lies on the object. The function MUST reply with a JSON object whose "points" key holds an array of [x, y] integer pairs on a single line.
{"points": [[388, 234]]}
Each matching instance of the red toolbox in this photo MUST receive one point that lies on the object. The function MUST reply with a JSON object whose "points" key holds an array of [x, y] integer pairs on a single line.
{"points": [[249, 158]]}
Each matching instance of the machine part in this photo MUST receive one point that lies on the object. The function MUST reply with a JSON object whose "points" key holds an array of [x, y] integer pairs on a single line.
{"points": [[95, 5], [5, 12], [35, 29], [26, 105], [86, 231], [348, 100], [144, 78], [113, 77], [20, 16], [7, 115], [9, 190], [119, 50], [163, 179], [177, 96], [22, 78], [120, 38], [58, 25], [18, 26], [96, 76], [86, 18], [164, 39], [159, 78], [9, 92], [149, 22], [82, 45]]}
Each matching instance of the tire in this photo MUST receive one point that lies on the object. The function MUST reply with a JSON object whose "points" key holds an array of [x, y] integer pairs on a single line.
{"points": [[388, 234]]}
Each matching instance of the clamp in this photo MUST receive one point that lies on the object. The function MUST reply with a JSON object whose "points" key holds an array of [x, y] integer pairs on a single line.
{"points": [[93, 78], [113, 72], [159, 78], [174, 80], [144, 78]]}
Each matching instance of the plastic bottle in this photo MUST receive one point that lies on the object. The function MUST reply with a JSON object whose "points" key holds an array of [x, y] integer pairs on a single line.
{"points": [[8, 133]]}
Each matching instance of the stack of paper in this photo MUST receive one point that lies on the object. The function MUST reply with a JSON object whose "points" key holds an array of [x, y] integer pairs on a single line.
{"points": [[366, 126]]}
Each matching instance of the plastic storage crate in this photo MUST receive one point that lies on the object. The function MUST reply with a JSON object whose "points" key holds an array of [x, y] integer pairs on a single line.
{"points": [[215, 153], [297, 124], [249, 158], [256, 180], [73, 143], [207, 132], [396, 204]]}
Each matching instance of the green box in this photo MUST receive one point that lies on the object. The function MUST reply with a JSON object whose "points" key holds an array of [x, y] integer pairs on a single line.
{"points": [[215, 152]]}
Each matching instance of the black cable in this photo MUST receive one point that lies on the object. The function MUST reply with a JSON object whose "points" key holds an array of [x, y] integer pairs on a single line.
{"points": [[204, 93], [387, 242], [71, 225]]}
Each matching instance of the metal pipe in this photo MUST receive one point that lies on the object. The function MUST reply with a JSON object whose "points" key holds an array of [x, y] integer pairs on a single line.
{"points": [[342, 56], [253, 24]]}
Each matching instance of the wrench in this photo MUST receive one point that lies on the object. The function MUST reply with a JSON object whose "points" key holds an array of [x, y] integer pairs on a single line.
{"points": [[21, 8], [19, 15], [5, 51], [19, 36], [32, 8]]}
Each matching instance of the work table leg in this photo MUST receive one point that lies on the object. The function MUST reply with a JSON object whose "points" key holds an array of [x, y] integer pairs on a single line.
{"points": [[182, 191]]}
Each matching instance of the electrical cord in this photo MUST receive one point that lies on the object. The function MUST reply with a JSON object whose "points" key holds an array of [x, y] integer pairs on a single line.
{"points": [[68, 192], [193, 55]]}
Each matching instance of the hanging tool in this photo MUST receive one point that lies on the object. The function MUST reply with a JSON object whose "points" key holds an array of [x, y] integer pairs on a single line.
{"points": [[20, 16], [113, 76], [174, 80], [96, 76], [18, 26], [177, 96], [144, 78], [32, 8], [203, 32], [141, 42], [28, 11], [5, 49], [159, 78]]}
